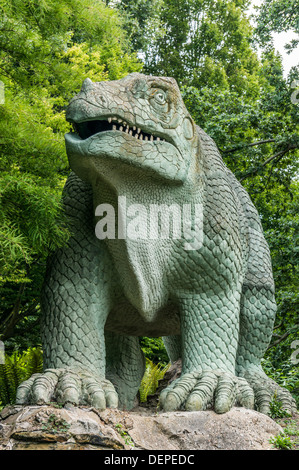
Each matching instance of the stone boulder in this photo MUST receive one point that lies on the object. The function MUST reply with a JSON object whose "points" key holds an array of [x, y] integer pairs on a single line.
{"points": [[82, 428]]}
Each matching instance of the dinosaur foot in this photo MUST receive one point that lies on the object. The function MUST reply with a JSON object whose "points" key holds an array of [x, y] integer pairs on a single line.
{"points": [[199, 390], [265, 390], [67, 386]]}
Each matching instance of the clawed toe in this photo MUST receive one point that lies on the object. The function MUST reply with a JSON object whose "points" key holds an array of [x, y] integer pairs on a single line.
{"points": [[206, 389], [265, 390], [67, 386]]}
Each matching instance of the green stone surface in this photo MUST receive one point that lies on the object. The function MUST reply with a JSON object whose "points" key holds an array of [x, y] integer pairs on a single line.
{"points": [[211, 298]]}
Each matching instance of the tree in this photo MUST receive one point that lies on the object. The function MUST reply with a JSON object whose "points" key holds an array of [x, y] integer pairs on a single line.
{"points": [[47, 49], [142, 21], [199, 41], [277, 16]]}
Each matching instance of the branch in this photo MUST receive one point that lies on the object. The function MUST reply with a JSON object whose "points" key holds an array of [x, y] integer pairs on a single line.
{"points": [[278, 326], [280, 339], [277, 156], [259, 142]]}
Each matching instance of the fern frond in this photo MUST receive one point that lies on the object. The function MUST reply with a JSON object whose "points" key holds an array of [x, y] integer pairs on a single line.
{"points": [[17, 368], [10, 377], [149, 383], [33, 359]]}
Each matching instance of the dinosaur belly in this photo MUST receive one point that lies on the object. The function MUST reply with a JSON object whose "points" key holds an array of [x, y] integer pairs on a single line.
{"points": [[141, 269]]}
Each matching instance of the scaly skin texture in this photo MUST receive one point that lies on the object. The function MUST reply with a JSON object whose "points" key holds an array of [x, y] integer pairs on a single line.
{"points": [[211, 298]]}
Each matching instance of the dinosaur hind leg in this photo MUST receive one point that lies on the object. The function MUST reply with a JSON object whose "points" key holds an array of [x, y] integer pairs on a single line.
{"points": [[257, 316], [173, 347]]}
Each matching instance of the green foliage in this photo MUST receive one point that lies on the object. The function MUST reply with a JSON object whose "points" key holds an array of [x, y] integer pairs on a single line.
{"points": [[39, 40], [153, 373], [23, 199], [55, 425], [142, 21], [200, 42], [154, 349], [282, 442], [285, 374], [278, 16], [257, 140], [17, 368], [124, 434], [276, 409], [291, 428]]}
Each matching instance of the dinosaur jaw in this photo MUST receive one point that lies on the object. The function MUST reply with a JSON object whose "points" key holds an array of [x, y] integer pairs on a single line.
{"points": [[95, 154], [110, 137], [86, 129]]}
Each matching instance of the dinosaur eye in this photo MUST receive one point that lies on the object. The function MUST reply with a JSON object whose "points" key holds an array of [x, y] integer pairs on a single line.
{"points": [[160, 97]]}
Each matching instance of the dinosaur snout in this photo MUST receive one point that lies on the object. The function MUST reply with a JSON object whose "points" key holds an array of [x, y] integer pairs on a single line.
{"points": [[98, 91]]}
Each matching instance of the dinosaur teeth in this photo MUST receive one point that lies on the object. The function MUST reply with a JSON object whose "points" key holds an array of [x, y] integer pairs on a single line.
{"points": [[133, 131], [86, 129]]}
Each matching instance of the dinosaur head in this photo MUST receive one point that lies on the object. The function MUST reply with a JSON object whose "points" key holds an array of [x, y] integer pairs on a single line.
{"points": [[140, 120]]}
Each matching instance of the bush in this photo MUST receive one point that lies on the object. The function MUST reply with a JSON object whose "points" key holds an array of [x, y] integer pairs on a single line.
{"points": [[287, 375], [17, 368], [154, 349]]}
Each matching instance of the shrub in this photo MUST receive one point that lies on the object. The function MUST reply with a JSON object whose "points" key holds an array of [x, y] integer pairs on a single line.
{"points": [[17, 368]]}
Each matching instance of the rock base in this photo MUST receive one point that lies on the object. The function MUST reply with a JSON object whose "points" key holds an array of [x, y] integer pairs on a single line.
{"points": [[78, 428], [81, 428]]}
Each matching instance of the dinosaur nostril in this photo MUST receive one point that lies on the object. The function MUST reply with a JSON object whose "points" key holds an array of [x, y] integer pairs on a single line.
{"points": [[101, 100]]}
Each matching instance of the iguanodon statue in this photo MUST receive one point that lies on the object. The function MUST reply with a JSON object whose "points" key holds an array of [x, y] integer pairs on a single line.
{"points": [[207, 290]]}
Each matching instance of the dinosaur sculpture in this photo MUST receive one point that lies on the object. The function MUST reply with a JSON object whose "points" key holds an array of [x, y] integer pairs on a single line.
{"points": [[208, 293]]}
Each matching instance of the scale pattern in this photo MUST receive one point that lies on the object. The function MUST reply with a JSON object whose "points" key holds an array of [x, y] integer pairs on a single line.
{"points": [[213, 302]]}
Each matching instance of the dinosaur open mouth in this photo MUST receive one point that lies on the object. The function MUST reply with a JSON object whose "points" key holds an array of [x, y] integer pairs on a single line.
{"points": [[88, 128]]}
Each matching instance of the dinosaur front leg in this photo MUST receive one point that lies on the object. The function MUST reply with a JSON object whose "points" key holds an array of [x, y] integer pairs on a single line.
{"points": [[75, 304], [209, 328], [75, 307]]}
